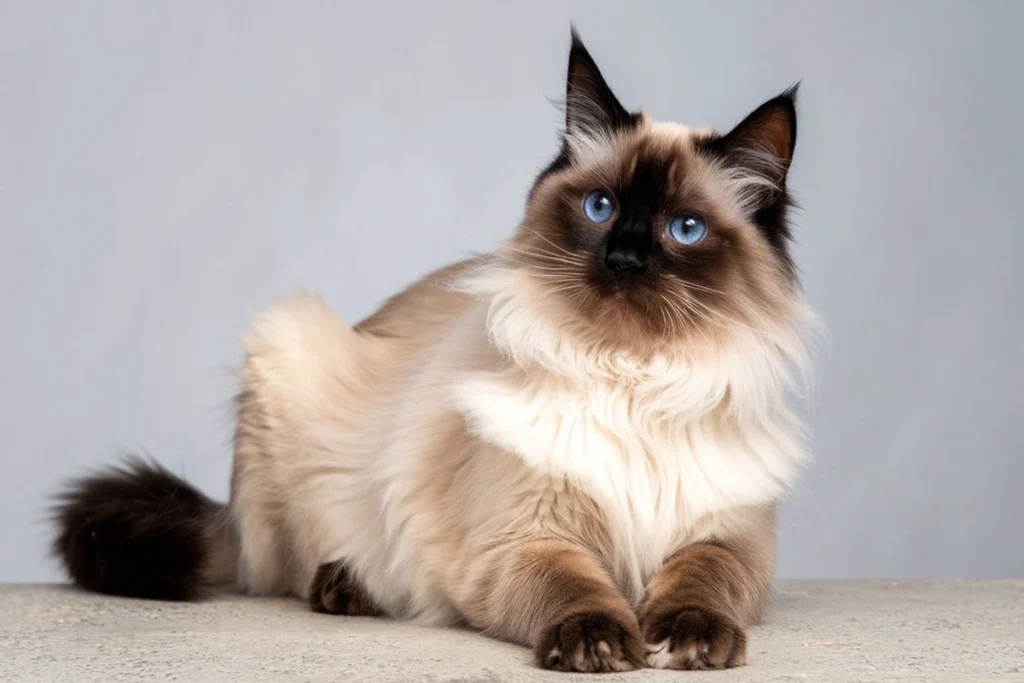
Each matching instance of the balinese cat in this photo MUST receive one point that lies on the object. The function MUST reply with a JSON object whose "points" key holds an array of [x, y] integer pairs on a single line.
{"points": [[575, 443]]}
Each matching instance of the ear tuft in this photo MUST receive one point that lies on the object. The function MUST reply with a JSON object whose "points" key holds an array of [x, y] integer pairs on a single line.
{"points": [[592, 111], [759, 150]]}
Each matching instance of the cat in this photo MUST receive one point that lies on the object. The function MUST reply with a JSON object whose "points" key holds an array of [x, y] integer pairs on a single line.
{"points": [[576, 443]]}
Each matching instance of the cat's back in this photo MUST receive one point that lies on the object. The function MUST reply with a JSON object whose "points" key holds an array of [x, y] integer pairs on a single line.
{"points": [[302, 355], [421, 310]]}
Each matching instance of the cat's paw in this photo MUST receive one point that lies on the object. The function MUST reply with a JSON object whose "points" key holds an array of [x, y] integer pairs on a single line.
{"points": [[336, 591], [591, 642], [694, 638]]}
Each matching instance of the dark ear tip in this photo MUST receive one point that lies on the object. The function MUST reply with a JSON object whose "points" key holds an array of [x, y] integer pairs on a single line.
{"points": [[575, 42], [785, 103]]}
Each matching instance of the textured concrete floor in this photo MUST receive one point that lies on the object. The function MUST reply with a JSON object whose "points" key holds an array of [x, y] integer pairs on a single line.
{"points": [[818, 632]]}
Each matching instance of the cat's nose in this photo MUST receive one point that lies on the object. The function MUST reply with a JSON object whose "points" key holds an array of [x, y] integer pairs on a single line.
{"points": [[623, 260], [628, 248]]}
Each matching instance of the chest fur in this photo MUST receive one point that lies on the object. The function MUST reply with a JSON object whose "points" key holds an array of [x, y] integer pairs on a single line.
{"points": [[653, 469]]}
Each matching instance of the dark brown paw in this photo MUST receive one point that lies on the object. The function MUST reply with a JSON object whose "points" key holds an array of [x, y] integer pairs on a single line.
{"points": [[694, 638], [336, 591], [591, 642]]}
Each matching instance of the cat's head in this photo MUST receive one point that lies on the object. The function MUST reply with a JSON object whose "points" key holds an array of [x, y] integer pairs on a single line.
{"points": [[655, 234]]}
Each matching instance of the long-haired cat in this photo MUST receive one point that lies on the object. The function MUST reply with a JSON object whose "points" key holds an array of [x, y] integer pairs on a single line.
{"points": [[575, 443]]}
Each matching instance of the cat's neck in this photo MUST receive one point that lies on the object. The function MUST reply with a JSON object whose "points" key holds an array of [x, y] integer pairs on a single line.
{"points": [[749, 372]]}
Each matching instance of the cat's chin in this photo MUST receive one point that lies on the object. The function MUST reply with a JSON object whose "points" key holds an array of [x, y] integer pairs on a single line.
{"points": [[639, 332], [631, 315]]}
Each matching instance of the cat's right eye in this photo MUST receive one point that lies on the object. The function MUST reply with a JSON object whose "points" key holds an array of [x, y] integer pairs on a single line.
{"points": [[598, 206]]}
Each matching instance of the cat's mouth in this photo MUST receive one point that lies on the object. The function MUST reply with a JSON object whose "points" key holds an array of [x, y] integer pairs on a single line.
{"points": [[623, 284], [630, 302]]}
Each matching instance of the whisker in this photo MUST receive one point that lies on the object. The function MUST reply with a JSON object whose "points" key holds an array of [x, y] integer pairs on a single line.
{"points": [[549, 241], [549, 258], [681, 316], [554, 269], [694, 285], [703, 334], [534, 251], [727, 318]]}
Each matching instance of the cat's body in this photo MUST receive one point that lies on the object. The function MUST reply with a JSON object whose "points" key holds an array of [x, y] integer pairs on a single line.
{"points": [[500, 446]]}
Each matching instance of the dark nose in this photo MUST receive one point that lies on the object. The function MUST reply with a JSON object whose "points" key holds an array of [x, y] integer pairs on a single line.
{"points": [[628, 247], [623, 260]]}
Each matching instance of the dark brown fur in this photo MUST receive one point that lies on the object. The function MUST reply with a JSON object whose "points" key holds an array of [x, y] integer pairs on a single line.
{"points": [[701, 601], [140, 531], [335, 590], [569, 601], [715, 274], [740, 270]]}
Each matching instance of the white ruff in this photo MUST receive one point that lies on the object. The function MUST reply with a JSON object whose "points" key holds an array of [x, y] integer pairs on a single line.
{"points": [[657, 445]]}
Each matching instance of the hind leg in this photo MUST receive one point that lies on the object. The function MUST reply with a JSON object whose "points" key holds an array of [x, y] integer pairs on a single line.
{"points": [[263, 558], [262, 561], [336, 590]]}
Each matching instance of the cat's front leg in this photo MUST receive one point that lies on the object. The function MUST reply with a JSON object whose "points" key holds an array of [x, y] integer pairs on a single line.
{"points": [[555, 597], [698, 604]]}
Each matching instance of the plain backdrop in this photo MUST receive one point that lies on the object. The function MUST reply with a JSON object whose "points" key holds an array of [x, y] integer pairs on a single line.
{"points": [[167, 169]]}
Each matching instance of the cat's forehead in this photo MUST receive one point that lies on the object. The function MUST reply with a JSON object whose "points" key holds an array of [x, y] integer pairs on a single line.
{"points": [[655, 158], [649, 144], [623, 148]]}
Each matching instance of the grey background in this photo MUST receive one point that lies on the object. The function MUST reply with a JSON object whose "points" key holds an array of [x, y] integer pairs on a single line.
{"points": [[166, 169]]}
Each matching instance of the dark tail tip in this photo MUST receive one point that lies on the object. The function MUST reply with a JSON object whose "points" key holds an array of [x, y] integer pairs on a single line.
{"points": [[135, 530]]}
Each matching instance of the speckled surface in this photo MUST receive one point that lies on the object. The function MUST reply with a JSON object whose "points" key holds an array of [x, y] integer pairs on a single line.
{"points": [[818, 632]]}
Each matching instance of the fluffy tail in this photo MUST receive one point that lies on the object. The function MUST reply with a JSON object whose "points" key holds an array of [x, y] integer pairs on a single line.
{"points": [[138, 530]]}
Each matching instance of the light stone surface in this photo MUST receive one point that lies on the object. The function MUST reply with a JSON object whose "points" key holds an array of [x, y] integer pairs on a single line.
{"points": [[960, 631]]}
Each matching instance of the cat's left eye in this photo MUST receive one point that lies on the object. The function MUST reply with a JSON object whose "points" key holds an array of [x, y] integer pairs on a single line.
{"points": [[688, 229]]}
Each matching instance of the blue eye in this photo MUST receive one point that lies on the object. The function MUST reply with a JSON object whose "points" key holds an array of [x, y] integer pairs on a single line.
{"points": [[598, 206], [688, 230]]}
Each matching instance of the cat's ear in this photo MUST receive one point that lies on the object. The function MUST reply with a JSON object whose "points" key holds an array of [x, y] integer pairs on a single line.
{"points": [[592, 112], [760, 148]]}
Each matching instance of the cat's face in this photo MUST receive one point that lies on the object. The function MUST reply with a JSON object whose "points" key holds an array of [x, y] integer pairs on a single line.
{"points": [[654, 233]]}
